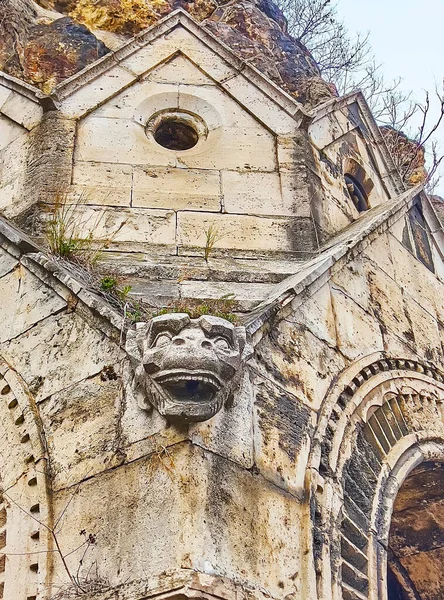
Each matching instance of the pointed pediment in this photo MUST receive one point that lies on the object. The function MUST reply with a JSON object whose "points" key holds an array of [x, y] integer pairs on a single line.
{"points": [[176, 34]]}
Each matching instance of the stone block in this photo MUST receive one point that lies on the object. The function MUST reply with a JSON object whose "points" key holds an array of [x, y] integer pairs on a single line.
{"points": [[176, 40], [417, 281], [316, 314], [80, 428], [379, 253], [22, 110], [10, 193], [233, 148], [86, 97], [96, 174], [264, 108], [358, 333], [106, 140], [300, 362], [14, 159], [9, 131], [102, 183], [426, 331], [242, 232], [5, 92], [25, 302], [144, 97], [58, 352], [179, 70], [7, 262], [282, 427], [110, 226], [247, 295], [387, 303], [253, 193], [352, 281], [177, 189]]}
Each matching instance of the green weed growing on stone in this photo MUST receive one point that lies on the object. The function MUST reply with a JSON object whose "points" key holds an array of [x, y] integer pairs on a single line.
{"points": [[108, 283], [212, 236], [70, 234], [223, 307]]}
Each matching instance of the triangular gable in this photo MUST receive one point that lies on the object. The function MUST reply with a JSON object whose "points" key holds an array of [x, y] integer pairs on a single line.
{"points": [[99, 82], [354, 110]]}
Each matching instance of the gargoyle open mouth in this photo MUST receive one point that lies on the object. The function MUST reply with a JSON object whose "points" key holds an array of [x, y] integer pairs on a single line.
{"points": [[189, 386]]}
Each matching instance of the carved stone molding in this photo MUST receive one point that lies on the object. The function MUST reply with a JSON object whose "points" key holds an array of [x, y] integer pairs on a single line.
{"points": [[24, 510]]}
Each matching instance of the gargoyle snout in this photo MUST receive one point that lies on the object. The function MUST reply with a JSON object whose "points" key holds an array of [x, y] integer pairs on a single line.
{"points": [[192, 341]]}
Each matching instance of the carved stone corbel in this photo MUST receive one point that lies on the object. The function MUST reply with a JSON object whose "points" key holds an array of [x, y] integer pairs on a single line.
{"points": [[186, 368]]}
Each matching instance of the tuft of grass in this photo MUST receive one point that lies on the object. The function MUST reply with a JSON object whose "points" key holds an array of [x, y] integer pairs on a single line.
{"points": [[223, 307], [69, 234], [212, 236]]}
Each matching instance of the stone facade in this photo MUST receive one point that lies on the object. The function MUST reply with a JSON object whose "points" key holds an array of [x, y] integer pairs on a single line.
{"points": [[187, 457]]}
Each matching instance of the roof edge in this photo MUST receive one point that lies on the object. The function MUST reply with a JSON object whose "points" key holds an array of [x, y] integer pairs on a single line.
{"points": [[317, 269], [168, 23], [21, 87], [59, 277]]}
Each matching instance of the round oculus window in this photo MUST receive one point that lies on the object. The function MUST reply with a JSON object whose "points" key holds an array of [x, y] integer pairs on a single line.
{"points": [[176, 135], [176, 130]]}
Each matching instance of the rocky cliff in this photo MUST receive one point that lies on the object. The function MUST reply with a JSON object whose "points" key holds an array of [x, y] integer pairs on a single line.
{"points": [[45, 43]]}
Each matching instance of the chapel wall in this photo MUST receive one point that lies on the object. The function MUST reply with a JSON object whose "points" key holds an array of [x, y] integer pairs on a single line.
{"points": [[384, 299], [241, 180]]}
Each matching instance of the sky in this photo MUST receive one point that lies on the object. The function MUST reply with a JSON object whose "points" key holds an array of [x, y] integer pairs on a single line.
{"points": [[406, 36]]}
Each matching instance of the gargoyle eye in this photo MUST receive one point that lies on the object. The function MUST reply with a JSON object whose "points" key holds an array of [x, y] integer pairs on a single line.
{"points": [[222, 344], [163, 339]]}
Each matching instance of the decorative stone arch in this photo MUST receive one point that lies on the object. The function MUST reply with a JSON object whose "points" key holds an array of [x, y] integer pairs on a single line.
{"points": [[25, 547], [381, 419]]}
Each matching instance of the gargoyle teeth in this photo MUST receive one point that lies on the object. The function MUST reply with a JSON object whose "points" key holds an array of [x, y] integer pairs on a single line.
{"points": [[165, 378]]}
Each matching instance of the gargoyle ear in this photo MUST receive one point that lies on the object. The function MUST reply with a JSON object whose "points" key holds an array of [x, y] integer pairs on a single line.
{"points": [[245, 348]]}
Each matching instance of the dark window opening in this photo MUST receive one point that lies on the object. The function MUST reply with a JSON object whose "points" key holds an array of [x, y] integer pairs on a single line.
{"points": [[176, 135], [356, 192]]}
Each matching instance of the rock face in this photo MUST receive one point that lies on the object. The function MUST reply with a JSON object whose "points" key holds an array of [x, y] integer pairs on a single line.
{"points": [[408, 155], [46, 43]]}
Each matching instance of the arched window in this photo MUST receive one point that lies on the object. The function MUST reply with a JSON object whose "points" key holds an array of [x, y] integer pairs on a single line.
{"points": [[356, 193], [358, 184], [378, 507]]}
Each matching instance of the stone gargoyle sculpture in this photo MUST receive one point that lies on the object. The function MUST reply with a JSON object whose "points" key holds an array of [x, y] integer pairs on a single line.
{"points": [[186, 368]]}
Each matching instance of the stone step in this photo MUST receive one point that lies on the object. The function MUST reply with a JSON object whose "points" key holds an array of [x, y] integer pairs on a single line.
{"points": [[178, 268]]}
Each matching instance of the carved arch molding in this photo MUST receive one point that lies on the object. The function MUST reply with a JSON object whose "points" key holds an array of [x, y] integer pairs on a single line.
{"points": [[25, 549], [374, 429]]}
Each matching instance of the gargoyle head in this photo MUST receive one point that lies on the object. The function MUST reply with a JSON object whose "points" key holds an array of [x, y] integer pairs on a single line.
{"points": [[186, 368]]}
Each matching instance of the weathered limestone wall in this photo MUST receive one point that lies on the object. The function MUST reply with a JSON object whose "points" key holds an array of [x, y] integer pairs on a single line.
{"points": [[381, 299], [246, 177], [382, 302], [226, 498], [159, 499], [240, 179]]}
